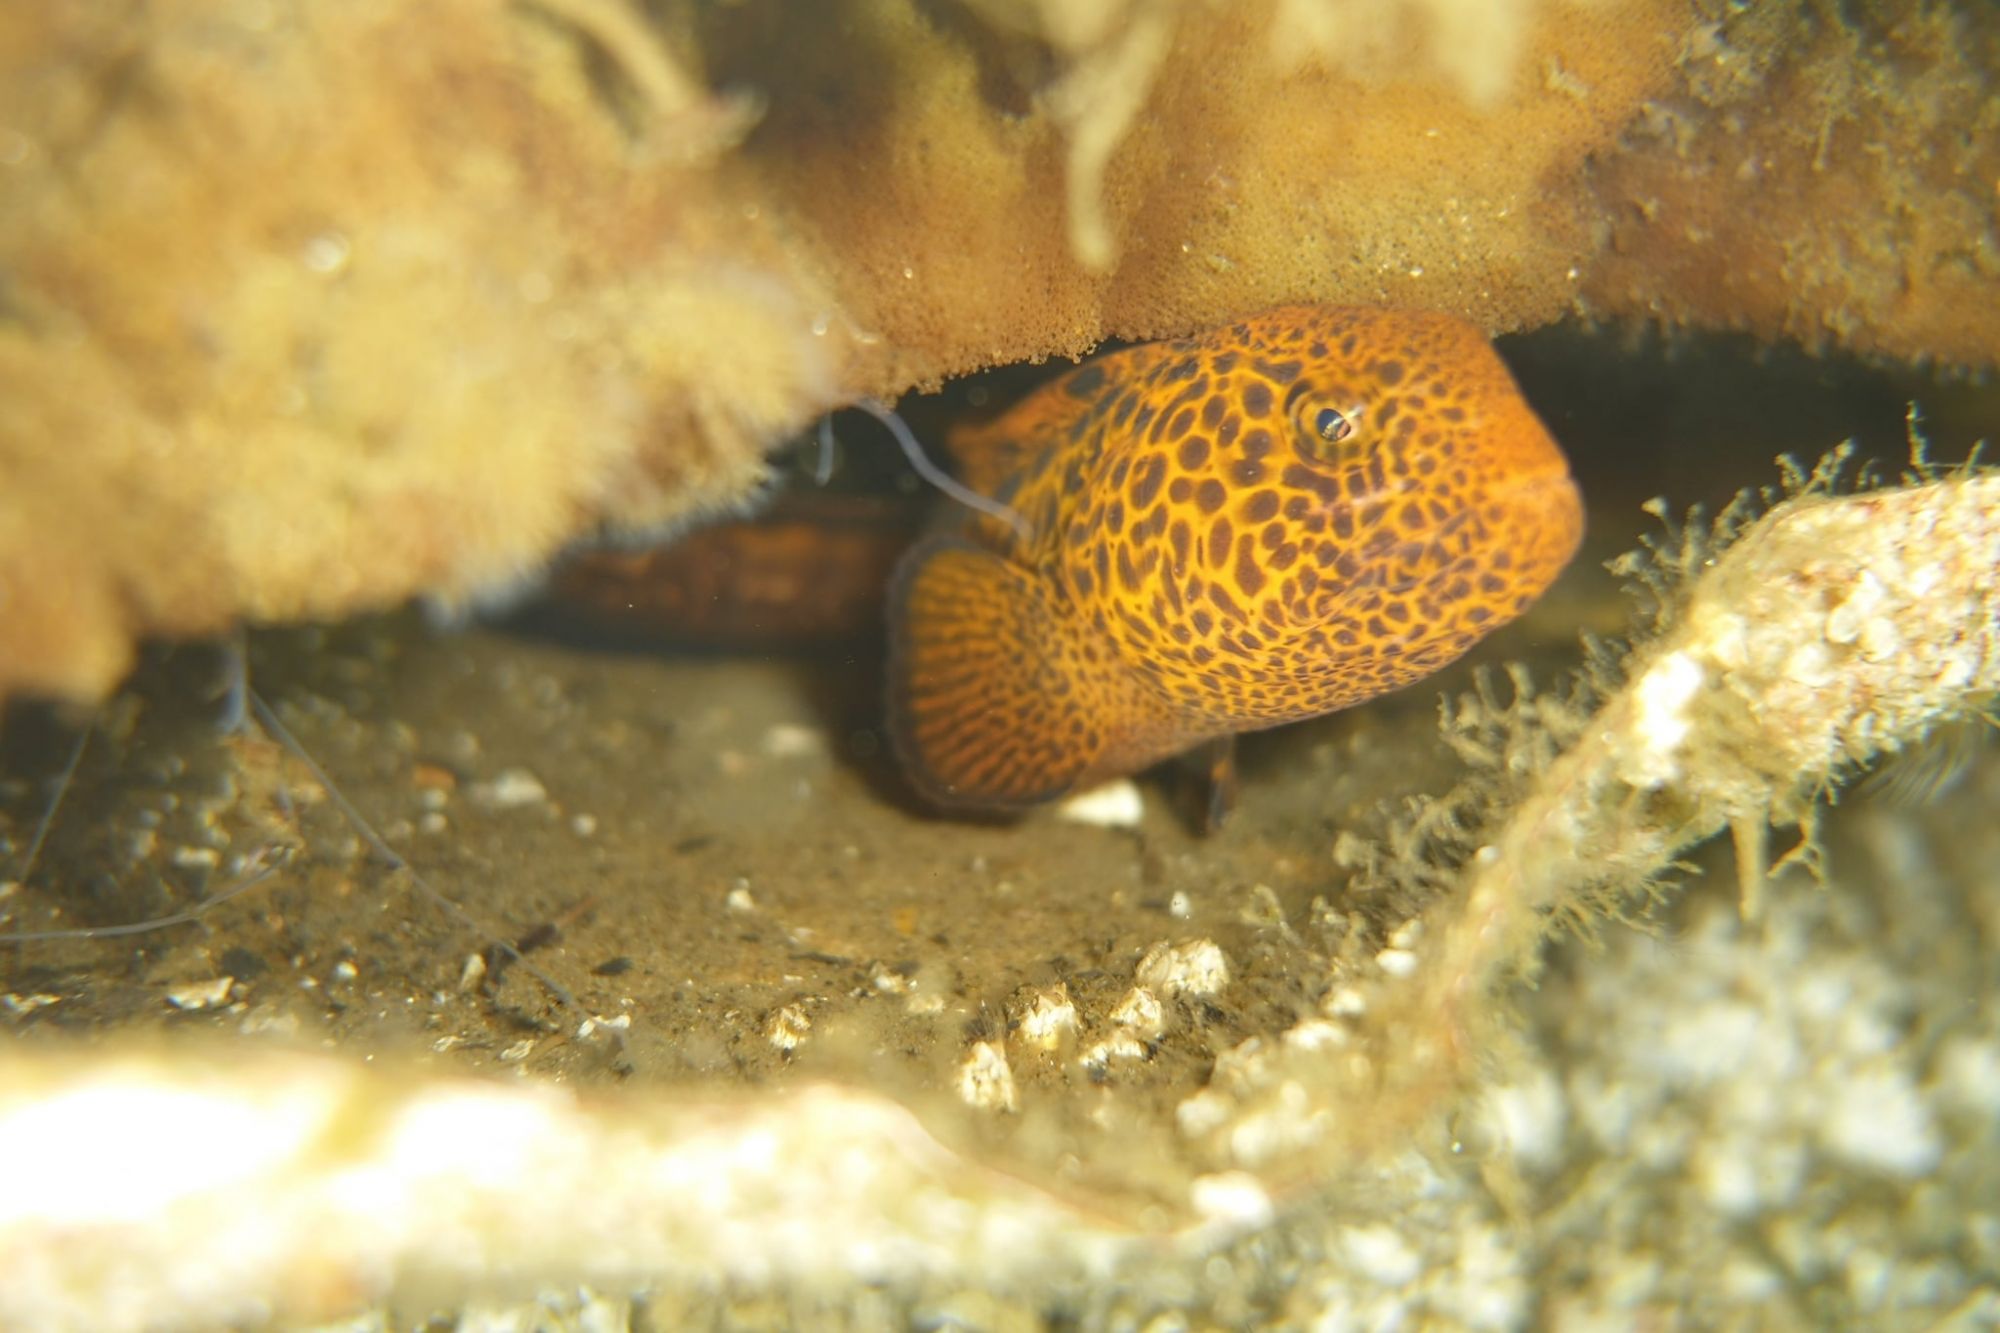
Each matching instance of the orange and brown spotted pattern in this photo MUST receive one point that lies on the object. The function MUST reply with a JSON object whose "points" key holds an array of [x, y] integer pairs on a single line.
{"points": [[1281, 518]]}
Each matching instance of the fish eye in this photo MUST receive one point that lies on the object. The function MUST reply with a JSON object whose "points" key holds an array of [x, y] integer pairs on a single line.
{"points": [[1330, 428], [1332, 425]]}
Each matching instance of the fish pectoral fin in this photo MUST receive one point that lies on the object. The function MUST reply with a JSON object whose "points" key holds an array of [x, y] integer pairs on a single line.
{"points": [[987, 698]]}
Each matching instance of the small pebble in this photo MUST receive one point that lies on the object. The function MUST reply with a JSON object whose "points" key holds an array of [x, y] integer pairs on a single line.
{"points": [[789, 740], [889, 980], [1380, 1253], [201, 994], [433, 778], [1344, 1002], [1203, 1113], [1316, 1034], [1236, 1197], [509, 789], [1396, 962], [1116, 804]]}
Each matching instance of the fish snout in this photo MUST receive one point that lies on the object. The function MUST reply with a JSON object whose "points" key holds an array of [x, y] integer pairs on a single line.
{"points": [[1543, 525]]}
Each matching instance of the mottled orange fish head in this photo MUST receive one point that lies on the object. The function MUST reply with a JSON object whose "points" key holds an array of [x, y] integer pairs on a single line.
{"points": [[1330, 503]]}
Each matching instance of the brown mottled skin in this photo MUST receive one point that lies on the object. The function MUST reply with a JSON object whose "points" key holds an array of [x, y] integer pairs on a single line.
{"points": [[807, 571], [1280, 518]]}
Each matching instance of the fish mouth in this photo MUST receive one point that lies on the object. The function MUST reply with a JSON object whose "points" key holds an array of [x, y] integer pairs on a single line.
{"points": [[1554, 507]]}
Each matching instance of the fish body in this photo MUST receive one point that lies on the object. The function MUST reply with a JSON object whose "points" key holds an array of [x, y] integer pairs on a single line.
{"points": [[1283, 517], [805, 573]]}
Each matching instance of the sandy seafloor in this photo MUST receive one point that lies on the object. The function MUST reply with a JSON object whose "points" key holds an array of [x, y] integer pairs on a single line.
{"points": [[1705, 1125]]}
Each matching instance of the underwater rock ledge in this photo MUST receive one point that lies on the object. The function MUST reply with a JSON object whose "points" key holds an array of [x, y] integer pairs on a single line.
{"points": [[312, 309]]}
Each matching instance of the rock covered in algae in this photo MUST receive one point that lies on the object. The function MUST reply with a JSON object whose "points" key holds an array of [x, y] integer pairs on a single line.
{"points": [[313, 308]]}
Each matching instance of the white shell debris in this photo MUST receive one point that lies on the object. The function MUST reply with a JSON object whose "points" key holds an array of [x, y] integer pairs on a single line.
{"points": [[1234, 1197], [1661, 698], [791, 740], [1140, 1011], [1380, 1254], [1203, 1113], [508, 790], [622, 1023], [985, 1080], [201, 994], [889, 981], [1117, 1046], [1194, 967], [1528, 1118], [1396, 962], [1316, 1034], [1344, 1002], [1882, 1123], [1116, 804], [788, 1028], [1048, 1020]]}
